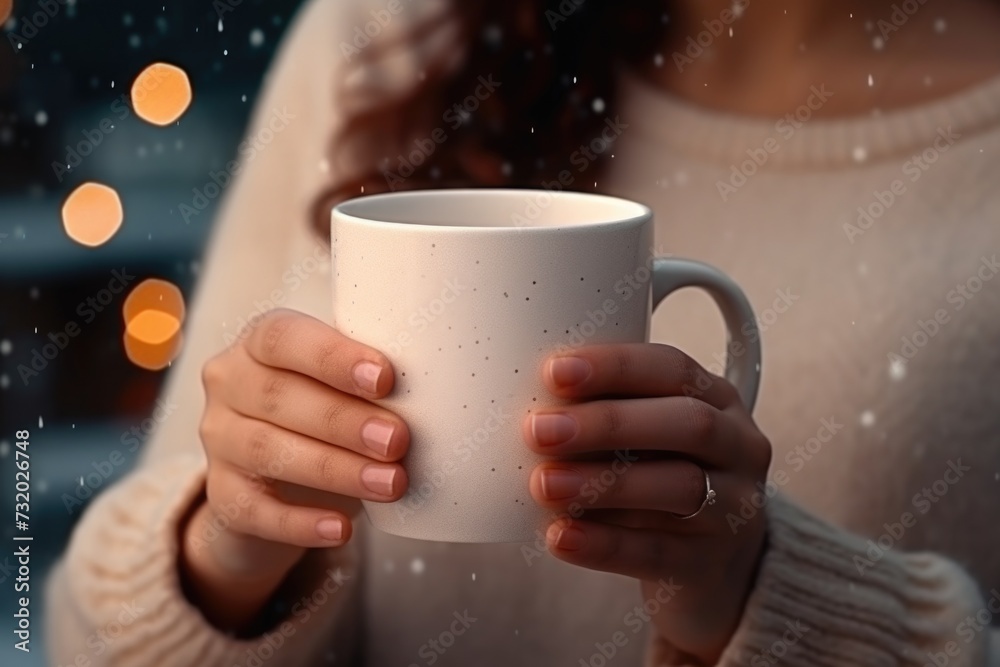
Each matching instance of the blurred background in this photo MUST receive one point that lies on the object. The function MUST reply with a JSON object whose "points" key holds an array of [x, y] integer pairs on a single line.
{"points": [[89, 409]]}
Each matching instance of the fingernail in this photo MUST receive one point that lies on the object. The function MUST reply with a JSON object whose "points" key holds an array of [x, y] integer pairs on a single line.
{"points": [[330, 529], [558, 484], [377, 434], [378, 479], [366, 374], [568, 371], [570, 538], [552, 429]]}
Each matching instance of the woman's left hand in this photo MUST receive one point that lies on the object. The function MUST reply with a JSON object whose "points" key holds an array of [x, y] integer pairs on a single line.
{"points": [[630, 458]]}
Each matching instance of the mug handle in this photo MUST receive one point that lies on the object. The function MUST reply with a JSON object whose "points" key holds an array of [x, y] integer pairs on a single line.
{"points": [[743, 345]]}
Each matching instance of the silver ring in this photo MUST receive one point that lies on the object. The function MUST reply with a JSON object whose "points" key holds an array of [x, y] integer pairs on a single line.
{"points": [[710, 496]]}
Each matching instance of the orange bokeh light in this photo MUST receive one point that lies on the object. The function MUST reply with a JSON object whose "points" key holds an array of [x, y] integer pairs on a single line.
{"points": [[161, 93], [92, 214], [154, 294], [153, 339], [154, 316], [6, 7]]}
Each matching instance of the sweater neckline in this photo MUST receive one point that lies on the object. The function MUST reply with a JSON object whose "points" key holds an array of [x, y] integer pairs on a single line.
{"points": [[725, 137]]}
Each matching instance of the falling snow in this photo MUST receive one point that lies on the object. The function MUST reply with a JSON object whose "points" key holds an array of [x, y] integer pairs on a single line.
{"points": [[41, 424], [41, 118], [6, 346], [860, 154], [871, 81], [658, 60], [256, 37], [220, 25], [417, 566], [4, 448], [598, 105], [897, 369], [878, 43], [940, 25], [473, 576], [4, 381], [389, 565], [867, 419]]}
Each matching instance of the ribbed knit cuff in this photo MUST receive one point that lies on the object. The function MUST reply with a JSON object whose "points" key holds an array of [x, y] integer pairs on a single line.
{"points": [[821, 599], [124, 586]]}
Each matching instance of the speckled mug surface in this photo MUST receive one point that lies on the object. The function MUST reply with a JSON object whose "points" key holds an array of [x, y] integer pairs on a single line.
{"points": [[466, 292]]}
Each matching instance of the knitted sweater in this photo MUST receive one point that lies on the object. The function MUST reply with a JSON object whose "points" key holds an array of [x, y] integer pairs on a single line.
{"points": [[868, 248]]}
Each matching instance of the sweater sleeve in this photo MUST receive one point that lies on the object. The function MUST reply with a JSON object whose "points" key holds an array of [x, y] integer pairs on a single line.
{"points": [[821, 598], [115, 597]]}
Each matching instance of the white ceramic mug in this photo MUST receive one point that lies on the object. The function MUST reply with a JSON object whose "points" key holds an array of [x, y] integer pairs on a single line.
{"points": [[466, 292]]}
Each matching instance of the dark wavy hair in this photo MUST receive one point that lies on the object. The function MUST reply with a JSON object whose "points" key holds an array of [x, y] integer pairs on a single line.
{"points": [[553, 58]]}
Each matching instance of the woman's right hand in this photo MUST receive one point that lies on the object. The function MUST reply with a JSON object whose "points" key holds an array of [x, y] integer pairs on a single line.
{"points": [[292, 442]]}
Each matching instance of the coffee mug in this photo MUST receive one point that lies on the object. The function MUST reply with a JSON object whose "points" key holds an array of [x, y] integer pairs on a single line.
{"points": [[466, 292]]}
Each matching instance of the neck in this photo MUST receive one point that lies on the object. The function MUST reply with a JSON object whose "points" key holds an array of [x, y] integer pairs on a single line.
{"points": [[873, 54]]}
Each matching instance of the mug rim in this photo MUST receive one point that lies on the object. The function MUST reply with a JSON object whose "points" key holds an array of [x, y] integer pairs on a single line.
{"points": [[640, 212]]}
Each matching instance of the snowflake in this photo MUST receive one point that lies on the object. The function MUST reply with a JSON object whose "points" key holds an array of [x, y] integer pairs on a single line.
{"points": [[417, 566]]}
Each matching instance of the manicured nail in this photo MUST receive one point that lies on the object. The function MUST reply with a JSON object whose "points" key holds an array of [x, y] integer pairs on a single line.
{"points": [[559, 484], [330, 529], [377, 434], [570, 538], [378, 479], [366, 374], [568, 371], [552, 429]]}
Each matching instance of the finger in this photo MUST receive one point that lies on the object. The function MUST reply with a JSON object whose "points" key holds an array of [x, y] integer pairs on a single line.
{"points": [[633, 552], [676, 486], [297, 342], [634, 369], [250, 511], [304, 405], [272, 452], [675, 424]]}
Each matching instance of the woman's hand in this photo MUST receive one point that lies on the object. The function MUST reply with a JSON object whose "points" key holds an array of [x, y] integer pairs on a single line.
{"points": [[631, 459], [292, 443]]}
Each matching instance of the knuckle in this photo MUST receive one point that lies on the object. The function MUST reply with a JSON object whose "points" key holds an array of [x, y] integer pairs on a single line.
{"points": [[332, 414], [260, 449], [273, 332], [681, 366], [285, 523], [211, 374], [273, 392], [328, 358], [691, 481], [702, 421], [612, 417], [329, 465], [624, 360]]}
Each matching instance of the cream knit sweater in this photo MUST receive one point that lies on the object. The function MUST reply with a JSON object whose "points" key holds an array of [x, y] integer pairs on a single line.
{"points": [[869, 250]]}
